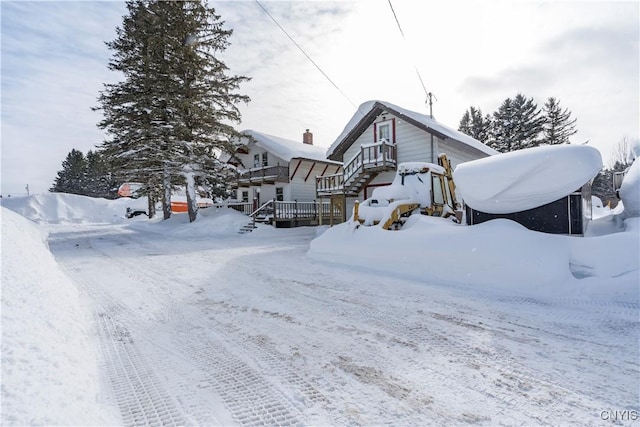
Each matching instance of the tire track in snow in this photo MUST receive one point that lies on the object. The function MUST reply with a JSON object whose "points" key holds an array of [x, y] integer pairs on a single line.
{"points": [[514, 383], [250, 399], [140, 396], [245, 392]]}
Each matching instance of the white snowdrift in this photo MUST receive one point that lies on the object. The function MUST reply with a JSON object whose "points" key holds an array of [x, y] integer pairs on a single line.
{"points": [[525, 179], [215, 222], [630, 190], [60, 208], [49, 371], [496, 255]]}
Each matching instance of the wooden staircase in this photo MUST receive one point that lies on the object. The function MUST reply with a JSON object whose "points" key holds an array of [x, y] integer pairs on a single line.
{"points": [[360, 170]]}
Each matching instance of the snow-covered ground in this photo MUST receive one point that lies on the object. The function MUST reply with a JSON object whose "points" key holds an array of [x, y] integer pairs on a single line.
{"points": [[130, 322]]}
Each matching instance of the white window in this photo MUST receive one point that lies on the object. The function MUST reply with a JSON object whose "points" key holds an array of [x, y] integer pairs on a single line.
{"points": [[265, 160], [256, 161], [384, 131]]}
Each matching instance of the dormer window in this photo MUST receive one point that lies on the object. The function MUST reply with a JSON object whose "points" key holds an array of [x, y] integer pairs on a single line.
{"points": [[385, 131]]}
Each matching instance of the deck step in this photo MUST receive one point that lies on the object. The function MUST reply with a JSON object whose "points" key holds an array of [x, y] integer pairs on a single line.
{"points": [[247, 228]]}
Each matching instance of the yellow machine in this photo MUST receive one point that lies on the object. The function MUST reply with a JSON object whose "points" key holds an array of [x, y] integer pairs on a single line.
{"points": [[418, 187]]}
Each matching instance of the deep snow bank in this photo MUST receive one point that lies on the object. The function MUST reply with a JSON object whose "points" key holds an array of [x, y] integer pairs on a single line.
{"points": [[630, 190], [209, 222], [49, 371], [60, 208], [499, 254]]}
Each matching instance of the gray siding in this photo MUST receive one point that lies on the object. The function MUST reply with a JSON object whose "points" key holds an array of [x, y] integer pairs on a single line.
{"points": [[413, 144], [459, 153], [301, 190]]}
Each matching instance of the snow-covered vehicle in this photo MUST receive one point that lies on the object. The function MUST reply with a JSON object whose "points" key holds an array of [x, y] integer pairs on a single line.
{"points": [[545, 188], [131, 212], [418, 187]]}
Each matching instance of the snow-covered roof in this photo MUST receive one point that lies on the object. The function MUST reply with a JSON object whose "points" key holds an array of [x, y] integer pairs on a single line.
{"points": [[368, 111], [525, 179], [287, 149]]}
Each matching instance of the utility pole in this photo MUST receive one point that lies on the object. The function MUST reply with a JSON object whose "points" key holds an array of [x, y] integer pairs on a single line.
{"points": [[27, 188], [430, 97]]}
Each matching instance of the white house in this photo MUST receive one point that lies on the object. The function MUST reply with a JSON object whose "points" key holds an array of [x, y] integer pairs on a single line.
{"points": [[381, 135], [277, 169]]}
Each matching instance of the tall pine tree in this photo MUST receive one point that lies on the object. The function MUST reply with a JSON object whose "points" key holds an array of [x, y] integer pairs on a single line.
{"points": [[99, 180], [558, 125], [516, 125], [71, 179], [170, 117], [475, 125]]}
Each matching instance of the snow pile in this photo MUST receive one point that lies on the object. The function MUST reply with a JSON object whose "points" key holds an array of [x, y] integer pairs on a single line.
{"points": [[59, 208], [212, 221], [630, 190], [498, 254], [49, 371], [525, 179]]}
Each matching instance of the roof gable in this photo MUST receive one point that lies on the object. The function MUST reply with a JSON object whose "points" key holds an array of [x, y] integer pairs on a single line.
{"points": [[370, 110]]}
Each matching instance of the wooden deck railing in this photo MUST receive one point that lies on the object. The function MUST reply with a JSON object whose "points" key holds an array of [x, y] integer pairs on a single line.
{"points": [[330, 184], [242, 207], [381, 156], [304, 210], [266, 174]]}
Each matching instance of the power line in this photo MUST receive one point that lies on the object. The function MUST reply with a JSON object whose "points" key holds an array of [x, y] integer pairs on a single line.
{"points": [[428, 94], [305, 53]]}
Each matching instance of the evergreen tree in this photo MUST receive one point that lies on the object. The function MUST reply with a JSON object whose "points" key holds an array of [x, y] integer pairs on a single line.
{"points": [[502, 129], [71, 179], [475, 125], [516, 125], [558, 126], [99, 181], [465, 123], [170, 116]]}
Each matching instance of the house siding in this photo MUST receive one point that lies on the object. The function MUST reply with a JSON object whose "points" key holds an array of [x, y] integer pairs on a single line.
{"points": [[459, 153], [297, 188], [300, 190], [414, 144]]}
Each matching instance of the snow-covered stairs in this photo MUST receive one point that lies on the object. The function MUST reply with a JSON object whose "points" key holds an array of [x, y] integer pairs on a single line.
{"points": [[247, 228]]}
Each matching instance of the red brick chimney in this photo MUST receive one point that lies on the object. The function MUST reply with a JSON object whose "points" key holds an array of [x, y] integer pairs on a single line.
{"points": [[307, 137]]}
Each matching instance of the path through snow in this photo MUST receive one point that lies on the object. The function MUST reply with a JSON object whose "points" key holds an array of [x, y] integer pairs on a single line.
{"points": [[248, 330]]}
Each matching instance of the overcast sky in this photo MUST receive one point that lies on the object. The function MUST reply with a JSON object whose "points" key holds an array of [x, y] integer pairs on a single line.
{"points": [[54, 62]]}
